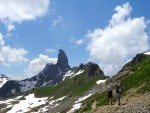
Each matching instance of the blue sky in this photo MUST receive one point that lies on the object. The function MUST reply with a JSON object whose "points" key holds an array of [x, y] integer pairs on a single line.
{"points": [[107, 32]]}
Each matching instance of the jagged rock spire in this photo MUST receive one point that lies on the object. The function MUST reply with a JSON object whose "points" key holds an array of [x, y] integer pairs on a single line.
{"points": [[62, 61]]}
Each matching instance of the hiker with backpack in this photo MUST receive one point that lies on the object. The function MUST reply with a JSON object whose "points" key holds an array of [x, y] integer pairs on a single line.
{"points": [[119, 91], [109, 94]]}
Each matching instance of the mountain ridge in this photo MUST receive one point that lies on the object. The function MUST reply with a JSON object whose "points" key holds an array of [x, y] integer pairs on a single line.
{"points": [[52, 74]]}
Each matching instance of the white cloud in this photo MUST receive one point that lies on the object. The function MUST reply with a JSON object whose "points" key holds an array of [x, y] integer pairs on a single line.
{"points": [[10, 55], [17, 11], [14, 77], [1, 41], [77, 42], [50, 50], [10, 27], [57, 21], [1, 45], [120, 41], [38, 64], [14, 55]]}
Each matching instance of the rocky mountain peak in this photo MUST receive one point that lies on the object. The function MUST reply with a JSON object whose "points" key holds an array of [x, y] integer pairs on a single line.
{"points": [[3, 79], [93, 69], [3, 76], [62, 61], [81, 66]]}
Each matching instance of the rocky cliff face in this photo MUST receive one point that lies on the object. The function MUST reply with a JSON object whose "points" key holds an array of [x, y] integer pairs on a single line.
{"points": [[91, 69], [62, 62]]}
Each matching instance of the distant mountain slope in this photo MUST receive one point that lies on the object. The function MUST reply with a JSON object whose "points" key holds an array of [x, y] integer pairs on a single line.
{"points": [[78, 84], [3, 79], [50, 75]]}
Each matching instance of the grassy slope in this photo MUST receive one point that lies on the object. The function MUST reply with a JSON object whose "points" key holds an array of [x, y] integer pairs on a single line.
{"points": [[75, 86], [139, 78]]}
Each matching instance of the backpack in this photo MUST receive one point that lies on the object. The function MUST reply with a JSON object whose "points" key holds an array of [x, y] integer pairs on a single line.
{"points": [[120, 90], [109, 88]]}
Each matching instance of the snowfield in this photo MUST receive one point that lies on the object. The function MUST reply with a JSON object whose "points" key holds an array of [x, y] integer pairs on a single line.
{"points": [[147, 53], [51, 104], [27, 85], [77, 104], [30, 102], [27, 104], [100, 81]]}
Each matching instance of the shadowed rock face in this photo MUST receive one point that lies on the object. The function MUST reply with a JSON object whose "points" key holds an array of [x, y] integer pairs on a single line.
{"points": [[93, 69], [81, 66], [54, 72], [62, 62]]}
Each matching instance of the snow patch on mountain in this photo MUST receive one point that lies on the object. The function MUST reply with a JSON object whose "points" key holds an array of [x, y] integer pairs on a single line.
{"points": [[83, 98], [147, 53], [27, 104], [22, 104], [77, 104], [3, 80], [72, 74], [68, 74], [13, 91], [51, 104], [78, 73], [46, 83], [75, 107], [100, 81], [27, 85], [60, 72]]}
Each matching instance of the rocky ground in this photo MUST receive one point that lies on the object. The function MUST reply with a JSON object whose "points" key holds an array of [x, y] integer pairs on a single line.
{"points": [[130, 104]]}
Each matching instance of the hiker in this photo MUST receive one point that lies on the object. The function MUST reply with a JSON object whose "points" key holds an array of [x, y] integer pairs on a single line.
{"points": [[119, 90], [110, 94]]}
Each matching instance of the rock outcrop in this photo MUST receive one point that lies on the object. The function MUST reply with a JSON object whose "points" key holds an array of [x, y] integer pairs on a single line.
{"points": [[93, 69], [62, 62]]}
